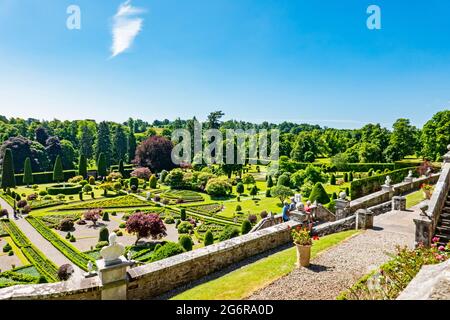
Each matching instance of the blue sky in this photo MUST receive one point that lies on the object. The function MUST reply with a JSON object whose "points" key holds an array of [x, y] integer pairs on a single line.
{"points": [[257, 60]]}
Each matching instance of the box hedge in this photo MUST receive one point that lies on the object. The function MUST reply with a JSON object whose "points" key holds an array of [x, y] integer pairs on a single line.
{"points": [[45, 177]]}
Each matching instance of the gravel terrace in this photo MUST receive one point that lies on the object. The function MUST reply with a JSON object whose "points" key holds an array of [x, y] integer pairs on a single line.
{"points": [[340, 267]]}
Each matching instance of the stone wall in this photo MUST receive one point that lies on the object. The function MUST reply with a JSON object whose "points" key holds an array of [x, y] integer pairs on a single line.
{"points": [[335, 226], [156, 278], [381, 208]]}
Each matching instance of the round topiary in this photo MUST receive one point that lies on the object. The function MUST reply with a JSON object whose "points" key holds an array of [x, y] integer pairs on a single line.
{"points": [[185, 227], [168, 250], [65, 272], [169, 220], [7, 247], [319, 194], [238, 208], [229, 232], [66, 224], [134, 181], [209, 238], [246, 227], [72, 239], [186, 242], [101, 244], [103, 235]]}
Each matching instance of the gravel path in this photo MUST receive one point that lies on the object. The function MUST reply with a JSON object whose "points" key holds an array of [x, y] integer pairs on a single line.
{"points": [[340, 267]]}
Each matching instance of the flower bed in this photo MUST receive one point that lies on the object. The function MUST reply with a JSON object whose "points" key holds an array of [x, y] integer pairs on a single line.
{"points": [[40, 204], [80, 259], [118, 202], [215, 228], [209, 209], [183, 195], [44, 266], [394, 276], [53, 221]]}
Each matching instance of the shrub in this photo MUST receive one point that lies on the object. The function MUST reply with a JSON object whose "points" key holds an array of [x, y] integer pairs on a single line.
{"points": [[141, 173], [185, 227], [319, 194], [66, 224], [163, 176], [83, 183], [68, 235], [252, 218], [66, 189], [168, 250], [7, 247], [91, 180], [284, 180], [281, 192], [92, 195], [134, 181], [10, 253], [80, 194], [101, 244], [183, 214], [60, 197], [240, 188], [72, 239], [345, 177], [32, 197], [21, 204], [209, 238], [87, 188], [43, 193], [218, 187], [103, 235], [186, 242], [92, 215], [122, 225], [306, 189], [350, 176], [169, 220], [268, 195], [228, 232], [26, 209], [119, 233], [65, 272], [238, 208], [153, 182], [76, 179], [263, 214], [269, 182], [105, 216], [254, 191], [333, 180], [35, 186], [334, 196], [246, 227]]}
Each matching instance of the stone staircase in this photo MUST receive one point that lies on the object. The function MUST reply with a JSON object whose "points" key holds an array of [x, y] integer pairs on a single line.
{"points": [[443, 225]]}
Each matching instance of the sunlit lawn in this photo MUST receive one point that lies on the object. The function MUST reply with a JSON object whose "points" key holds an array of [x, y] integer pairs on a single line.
{"points": [[414, 198], [241, 283], [252, 207]]}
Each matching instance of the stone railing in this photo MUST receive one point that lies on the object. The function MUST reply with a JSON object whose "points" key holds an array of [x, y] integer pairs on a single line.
{"points": [[322, 214], [426, 224], [268, 222]]}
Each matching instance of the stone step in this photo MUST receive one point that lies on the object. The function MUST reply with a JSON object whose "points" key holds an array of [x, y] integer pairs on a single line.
{"points": [[444, 222], [441, 237], [444, 231]]}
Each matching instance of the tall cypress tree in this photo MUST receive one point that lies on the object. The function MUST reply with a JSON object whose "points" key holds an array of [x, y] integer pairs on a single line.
{"points": [[131, 150], [120, 144], [101, 165], [121, 168], [82, 166], [8, 177], [86, 142], [103, 143], [58, 172], [27, 173]]}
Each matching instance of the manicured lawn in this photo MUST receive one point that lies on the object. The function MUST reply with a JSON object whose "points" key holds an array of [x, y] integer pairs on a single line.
{"points": [[252, 206], [241, 283], [414, 198]]}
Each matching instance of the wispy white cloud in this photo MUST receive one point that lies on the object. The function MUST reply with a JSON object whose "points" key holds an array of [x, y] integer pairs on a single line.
{"points": [[126, 26]]}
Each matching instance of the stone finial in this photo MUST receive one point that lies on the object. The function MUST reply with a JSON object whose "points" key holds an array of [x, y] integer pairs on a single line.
{"points": [[424, 207], [112, 253], [90, 266], [342, 195], [129, 254], [410, 174]]}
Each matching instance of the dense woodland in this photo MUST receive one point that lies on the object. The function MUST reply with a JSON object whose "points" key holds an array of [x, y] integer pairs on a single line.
{"points": [[43, 141]]}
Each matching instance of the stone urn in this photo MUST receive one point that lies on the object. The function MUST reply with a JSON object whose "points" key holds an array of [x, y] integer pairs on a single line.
{"points": [[303, 255]]}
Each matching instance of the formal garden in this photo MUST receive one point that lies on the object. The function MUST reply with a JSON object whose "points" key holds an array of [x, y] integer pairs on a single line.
{"points": [[128, 185]]}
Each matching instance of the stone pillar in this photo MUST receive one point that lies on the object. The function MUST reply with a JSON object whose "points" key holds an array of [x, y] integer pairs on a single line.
{"points": [[114, 279], [341, 205], [364, 219], [424, 231], [399, 203]]}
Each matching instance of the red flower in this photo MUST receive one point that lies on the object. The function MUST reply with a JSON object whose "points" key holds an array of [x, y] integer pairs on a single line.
{"points": [[316, 238]]}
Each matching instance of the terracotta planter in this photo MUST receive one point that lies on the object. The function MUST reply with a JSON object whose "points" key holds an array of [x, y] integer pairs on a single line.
{"points": [[303, 255]]}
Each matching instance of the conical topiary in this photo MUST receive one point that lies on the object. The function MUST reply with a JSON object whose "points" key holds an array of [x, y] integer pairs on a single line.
{"points": [[319, 194]]}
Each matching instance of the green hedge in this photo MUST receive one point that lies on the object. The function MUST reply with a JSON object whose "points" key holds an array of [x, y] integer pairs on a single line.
{"points": [[362, 187], [45, 177], [77, 257], [44, 266], [68, 190], [364, 167]]}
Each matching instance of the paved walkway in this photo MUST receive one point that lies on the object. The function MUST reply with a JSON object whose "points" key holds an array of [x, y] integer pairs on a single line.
{"points": [[40, 242], [338, 268]]}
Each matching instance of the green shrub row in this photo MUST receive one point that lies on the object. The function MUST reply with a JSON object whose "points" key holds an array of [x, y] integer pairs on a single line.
{"points": [[66, 190], [45, 177], [15, 233], [77, 257], [362, 187], [118, 202]]}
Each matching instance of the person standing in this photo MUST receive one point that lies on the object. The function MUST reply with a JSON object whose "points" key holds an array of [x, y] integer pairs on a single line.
{"points": [[285, 211]]}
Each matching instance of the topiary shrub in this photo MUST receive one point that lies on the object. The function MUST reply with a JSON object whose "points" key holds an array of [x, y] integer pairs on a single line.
{"points": [[134, 181], [268, 194], [246, 227], [68, 235], [333, 180], [80, 194], [183, 214], [169, 220], [185, 227], [87, 188], [186, 242], [103, 235], [72, 239], [252, 218], [122, 225], [65, 272], [66, 224], [10, 253], [319, 194], [119, 233], [263, 214], [209, 238], [105, 216], [153, 182], [91, 180], [168, 250], [7, 247], [228, 232], [238, 208], [43, 193]]}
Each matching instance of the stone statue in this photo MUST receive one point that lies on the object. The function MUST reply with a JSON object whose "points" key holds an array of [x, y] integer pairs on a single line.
{"points": [[410, 174], [90, 266], [298, 198], [113, 251], [129, 254], [149, 196], [388, 181], [342, 195]]}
